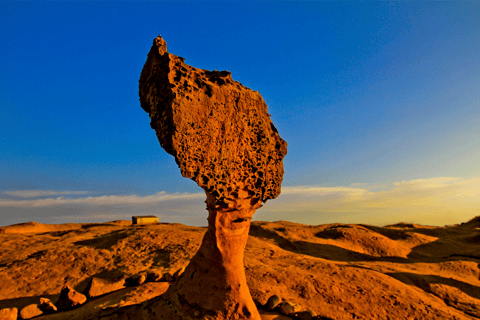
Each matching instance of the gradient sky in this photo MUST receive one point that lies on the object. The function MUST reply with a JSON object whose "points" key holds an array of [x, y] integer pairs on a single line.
{"points": [[379, 103]]}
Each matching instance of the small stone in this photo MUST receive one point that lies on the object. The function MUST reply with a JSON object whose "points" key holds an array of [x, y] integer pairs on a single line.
{"points": [[196, 313], [178, 273], [70, 298], [305, 315], [272, 302], [30, 311], [8, 314], [288, 308], [46, 305], [101, 286], [141, 279], [168, 277], [154, 276]]}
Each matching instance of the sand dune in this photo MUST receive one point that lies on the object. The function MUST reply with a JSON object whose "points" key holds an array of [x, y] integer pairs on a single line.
{"points": [[402, 271]]}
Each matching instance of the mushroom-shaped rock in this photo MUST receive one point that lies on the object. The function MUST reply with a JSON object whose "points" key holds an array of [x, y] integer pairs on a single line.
{"points": [[8, 314], [221, 136], [30, 311], [69, 298]]}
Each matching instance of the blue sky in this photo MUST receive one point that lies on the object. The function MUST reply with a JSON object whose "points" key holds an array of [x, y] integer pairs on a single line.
{"points": [[378, 102]]}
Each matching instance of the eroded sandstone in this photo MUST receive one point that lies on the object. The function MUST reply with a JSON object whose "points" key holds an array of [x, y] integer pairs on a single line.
{"points": [[218, 130], [221, 136]]}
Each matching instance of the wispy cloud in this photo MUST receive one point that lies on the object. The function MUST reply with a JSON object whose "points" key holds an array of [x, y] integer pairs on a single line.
{"points": [[186, 208], [41, 193], [100, 200], [435, 201]]}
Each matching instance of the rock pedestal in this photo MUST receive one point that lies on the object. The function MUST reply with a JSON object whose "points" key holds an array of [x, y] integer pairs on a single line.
{"points": [[221, 136], [214, 283]]}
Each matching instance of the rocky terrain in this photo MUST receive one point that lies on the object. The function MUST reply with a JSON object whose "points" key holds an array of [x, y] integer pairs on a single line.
{"points": [[338, 271]]}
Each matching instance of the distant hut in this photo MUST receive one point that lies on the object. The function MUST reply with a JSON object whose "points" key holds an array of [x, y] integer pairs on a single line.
{"points": [[144, 219]]}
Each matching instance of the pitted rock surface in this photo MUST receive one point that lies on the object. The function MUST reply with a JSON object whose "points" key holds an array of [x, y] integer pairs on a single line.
{"points": [[221, 136], [218, 130]]}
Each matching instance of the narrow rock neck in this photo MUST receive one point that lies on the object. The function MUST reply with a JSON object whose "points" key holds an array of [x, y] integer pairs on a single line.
{"points": [[214, 283], [228, 229]]}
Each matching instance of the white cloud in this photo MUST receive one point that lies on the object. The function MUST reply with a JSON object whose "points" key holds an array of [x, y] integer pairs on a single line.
{"points": [[101, 200], [186, 208], [41, 193], [427, 201], [440, 182], [435, 201], [316, 191]]}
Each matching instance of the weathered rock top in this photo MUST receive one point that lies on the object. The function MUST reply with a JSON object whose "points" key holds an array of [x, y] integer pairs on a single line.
{"points": [[218, 130]]}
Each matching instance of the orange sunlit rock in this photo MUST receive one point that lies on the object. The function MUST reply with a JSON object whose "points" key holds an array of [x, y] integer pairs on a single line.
{"points": [[221, 136]]}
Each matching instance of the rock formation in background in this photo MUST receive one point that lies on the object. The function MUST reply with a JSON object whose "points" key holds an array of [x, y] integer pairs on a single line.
{"points": [[222, 138]]}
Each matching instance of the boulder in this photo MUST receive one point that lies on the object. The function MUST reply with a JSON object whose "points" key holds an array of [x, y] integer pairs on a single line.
{"points": [[46, 305], [101, 286], [288, 308], [70, 298], [168, 277], [30, 311], [8, 314], [272, 302], [141, 279]]}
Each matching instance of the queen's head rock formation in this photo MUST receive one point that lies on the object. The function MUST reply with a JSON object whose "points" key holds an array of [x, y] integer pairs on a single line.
{"points": [[221, 136]]}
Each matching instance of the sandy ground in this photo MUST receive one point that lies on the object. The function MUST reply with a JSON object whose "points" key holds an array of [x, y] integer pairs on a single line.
{"points": [[339, 271]]}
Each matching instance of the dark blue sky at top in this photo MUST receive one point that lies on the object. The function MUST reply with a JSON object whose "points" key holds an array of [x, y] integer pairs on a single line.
{"points": [[363, 92]]}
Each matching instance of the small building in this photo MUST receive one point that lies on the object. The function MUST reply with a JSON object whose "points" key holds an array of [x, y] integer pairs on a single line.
{"points": [[144, 219]]}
